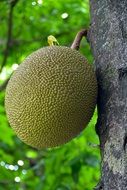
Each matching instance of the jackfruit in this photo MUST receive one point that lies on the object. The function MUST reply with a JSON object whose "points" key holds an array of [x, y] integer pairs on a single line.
{"points": [[51, 96]]}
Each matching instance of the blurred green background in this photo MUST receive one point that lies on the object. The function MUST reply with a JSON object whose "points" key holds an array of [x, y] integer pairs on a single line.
{"points": [[75, 165]]}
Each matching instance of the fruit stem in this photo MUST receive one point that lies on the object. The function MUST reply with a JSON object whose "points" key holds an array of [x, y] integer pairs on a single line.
{"points": [[78, 38]]}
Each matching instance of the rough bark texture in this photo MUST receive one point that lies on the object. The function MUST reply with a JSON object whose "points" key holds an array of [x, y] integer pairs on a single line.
{"points": [[108, 39]]}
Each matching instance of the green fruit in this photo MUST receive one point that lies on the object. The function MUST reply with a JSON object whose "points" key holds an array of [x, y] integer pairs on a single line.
{"points": [[51, 97]]}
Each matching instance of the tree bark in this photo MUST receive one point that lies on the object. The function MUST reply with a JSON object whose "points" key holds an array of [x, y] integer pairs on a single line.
{"points": [[108, 39]]}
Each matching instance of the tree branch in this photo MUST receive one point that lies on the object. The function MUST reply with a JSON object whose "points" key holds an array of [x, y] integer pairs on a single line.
{"points": [[9, 35], [3, 86], [13, 2]]}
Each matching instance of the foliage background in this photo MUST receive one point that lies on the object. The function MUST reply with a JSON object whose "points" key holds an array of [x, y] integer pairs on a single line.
{"points": [[75, 165]]}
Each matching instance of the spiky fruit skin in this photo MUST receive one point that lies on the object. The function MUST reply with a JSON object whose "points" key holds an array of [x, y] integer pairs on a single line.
{"points": [[51, 97]]}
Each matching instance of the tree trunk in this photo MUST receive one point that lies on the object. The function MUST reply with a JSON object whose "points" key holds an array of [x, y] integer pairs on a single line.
{"points": [[108, 39]]}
